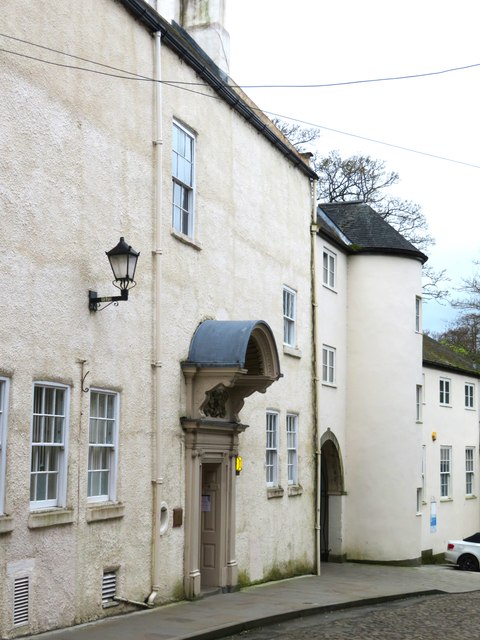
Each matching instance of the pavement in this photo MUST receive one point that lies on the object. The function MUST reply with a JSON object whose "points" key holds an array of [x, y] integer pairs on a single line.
{"points": [[339, 586]]}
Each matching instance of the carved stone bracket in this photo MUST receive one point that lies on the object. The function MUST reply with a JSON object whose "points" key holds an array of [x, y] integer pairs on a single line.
{"points": [[228, 361]]}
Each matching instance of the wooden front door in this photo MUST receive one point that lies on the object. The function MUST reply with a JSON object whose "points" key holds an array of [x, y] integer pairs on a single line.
{"points": [[210, 525]]}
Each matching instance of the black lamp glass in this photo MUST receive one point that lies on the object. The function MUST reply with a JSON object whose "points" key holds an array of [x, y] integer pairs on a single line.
{"points": [[123, 261]]}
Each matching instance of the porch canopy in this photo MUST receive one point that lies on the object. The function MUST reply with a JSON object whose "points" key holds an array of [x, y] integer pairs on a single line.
{"points": [[229, 359]]}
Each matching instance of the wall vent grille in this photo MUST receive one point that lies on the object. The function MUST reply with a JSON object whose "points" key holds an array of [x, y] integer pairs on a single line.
{"points": [[21, 599], [109, 586]]}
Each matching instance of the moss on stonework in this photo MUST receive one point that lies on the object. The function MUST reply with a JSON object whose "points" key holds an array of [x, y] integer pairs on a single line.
{"points": [[428, 557], [243, 579], [276, 572], [178, 592]]}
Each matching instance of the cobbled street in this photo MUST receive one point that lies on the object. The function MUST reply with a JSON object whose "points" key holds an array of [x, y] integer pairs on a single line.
{"points": [[439, 617]]}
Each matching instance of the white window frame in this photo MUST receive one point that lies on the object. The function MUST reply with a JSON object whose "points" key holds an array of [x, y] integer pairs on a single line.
{"points": [[4, 395], [469, 471], [42, 423], [445, 390], [418, 402], [329, 357], [292, 448], [271, 448], [289, 316], [445, 472], [469, 395], [418, 314], [101, 439], [183, 186], [329, 270]]}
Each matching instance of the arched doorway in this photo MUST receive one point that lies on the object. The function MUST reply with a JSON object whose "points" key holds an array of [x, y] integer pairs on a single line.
{"points": [[331, 499], [227, 362]]}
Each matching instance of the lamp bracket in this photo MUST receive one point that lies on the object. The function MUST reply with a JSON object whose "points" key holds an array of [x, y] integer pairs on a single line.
{"points": [[94, 301]]}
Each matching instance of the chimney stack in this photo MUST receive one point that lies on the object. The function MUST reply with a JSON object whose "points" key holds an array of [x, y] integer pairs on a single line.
{"points": [[204, 21]]}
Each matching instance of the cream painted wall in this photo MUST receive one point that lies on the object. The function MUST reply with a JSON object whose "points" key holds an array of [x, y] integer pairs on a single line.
{"points": [[76, 159], [332, 322], [252, 237], [457, 427], [332, 332], [384, 362], [78, 172]]}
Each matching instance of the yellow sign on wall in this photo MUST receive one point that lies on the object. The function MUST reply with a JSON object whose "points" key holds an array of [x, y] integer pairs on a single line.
{"points": [[238, 465]]}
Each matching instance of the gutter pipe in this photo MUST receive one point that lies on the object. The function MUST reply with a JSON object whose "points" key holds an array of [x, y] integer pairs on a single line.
{"points": [[157, 364], [315, 378], [136, 603]]}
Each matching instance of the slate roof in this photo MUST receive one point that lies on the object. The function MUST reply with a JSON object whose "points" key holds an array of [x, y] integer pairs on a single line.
{"points": [[223, 343], [438, 356], [365, 230]]}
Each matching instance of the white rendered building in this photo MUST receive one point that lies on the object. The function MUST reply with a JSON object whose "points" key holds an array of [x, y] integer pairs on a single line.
{"points": [[448, 412], [123, 427], [254, 404], [371, 363]]}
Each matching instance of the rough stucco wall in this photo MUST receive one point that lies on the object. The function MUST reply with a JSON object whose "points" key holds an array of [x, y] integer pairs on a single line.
{"points": [[77, 161], [332, 332], [252, 223], [457, 427], [385, 355], [76, 174]]}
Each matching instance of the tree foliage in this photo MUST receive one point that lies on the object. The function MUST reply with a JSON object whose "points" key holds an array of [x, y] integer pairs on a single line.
{"points": [[463, 335], [366, 179], [299, 136], [356, 178], [471, 289]]}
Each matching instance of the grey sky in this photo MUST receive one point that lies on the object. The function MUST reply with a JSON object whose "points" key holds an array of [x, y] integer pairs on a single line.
{"points": [[310, 41]]}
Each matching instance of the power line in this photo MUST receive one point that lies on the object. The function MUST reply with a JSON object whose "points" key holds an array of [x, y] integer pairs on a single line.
{"points": [[181, 86], [251, 86], [351, 82], [70, 55], [133, 76], [385, 144], [69, 66]]}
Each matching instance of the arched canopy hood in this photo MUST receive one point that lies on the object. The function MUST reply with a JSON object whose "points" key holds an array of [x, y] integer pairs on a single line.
{"points": [[229, 343], [228, 360]]}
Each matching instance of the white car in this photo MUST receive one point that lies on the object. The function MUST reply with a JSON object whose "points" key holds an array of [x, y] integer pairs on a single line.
{"points": [[464, 553]]}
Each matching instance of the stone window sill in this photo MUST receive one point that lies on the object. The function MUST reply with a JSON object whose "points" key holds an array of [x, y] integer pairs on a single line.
{"points": [[6, 524], [186, 240], [275, 492], [50, 518], [332, 289], [101, 512], [295, 490], [292, 351]]}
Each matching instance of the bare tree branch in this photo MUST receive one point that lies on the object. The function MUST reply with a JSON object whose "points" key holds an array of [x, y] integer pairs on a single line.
{"points": [[367, 179], [433, 283], [299, 136], [471, 286]]}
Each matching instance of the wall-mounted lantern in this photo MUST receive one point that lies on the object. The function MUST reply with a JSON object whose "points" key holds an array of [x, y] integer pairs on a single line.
{"points": [[123, 261]]}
